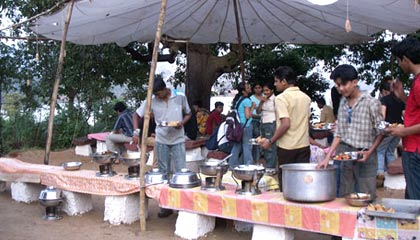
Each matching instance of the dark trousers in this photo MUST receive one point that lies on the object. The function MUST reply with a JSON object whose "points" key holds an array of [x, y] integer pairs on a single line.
{"points": [[411, 168], [285, 156]]}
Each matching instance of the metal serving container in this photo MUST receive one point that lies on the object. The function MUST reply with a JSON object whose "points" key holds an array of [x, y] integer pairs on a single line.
{"points": [[50, 197], [184, 179], [358, 199], [211, 168], [104, 157], [302, 182], [248, 172], [155, 176]]}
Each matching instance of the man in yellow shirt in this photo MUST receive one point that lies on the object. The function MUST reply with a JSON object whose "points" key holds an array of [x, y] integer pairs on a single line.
{"points": [[292, 120], [327, 114]]}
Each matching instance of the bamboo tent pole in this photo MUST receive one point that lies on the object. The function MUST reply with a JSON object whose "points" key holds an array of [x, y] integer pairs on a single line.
{"points": [[158, 35], [57, 82], [238, 32]]}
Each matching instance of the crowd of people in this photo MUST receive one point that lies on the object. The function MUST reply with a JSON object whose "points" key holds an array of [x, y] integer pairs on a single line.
{"points": [[282, 122]]}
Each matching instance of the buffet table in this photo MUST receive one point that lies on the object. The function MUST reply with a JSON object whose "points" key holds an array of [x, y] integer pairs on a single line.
{"points": [[269, 208]]}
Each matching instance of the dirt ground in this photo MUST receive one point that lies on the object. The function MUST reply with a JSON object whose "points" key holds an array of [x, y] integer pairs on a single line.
{"points": [[23, 221]]}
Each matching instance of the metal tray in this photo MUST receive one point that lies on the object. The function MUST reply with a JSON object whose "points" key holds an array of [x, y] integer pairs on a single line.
{"points": [[404, 209]]}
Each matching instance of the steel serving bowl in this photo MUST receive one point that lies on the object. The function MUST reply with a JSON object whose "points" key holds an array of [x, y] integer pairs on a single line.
{"points": [[184, 179], [71, 166], [130, 159], [303, 182], [211, 168], [104, 157], [50, 197], [358, 199], [155, 176], [248, 172]]}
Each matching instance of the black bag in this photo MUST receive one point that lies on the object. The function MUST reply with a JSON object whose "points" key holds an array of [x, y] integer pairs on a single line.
{"points": [[235, 130], [213, 143]]}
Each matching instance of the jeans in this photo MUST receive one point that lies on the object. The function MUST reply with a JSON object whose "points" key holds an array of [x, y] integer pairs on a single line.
{"points": [[386, 152], [270, 155], [256, 150], [167, 154], [411, 168], [243, 147]]}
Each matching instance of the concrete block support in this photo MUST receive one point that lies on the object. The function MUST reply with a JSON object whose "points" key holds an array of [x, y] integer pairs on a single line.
{"points": [[76, 203], [272, 233], [192, 226], [2, 186], [25, 192], [122, 209]]}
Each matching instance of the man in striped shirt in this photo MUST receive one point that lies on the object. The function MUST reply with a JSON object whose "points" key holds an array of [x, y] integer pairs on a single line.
{"points": [[357, 117], [123, 129]]}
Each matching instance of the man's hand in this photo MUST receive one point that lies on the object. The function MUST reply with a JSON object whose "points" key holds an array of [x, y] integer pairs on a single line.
{"points": [[323, 164], [365, 154], [397, 131], [178, 125]]}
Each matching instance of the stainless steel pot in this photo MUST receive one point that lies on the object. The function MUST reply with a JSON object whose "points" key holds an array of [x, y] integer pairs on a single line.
{"points": [[184, 179], [155, 176], [211, 168], [248, 172], [130, 159], [104, 157], [302, 182], [50, 197]]}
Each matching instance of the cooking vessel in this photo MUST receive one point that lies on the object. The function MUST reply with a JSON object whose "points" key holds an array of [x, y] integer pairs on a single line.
{"points": [[248, 172], [130, 159], [184, 179], [302, 182], [104, 157], [50, 197], [155, 176], [211, 168]]}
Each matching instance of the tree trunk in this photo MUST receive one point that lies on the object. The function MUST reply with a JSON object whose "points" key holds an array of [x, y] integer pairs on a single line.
{"points": [[200, 74]]}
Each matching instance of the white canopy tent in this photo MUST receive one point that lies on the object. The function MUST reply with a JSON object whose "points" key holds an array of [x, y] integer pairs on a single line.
{"points": [[211, 21]]}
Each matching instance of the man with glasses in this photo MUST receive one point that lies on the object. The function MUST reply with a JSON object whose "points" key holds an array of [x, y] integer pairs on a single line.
{"points": [[357, 117]]}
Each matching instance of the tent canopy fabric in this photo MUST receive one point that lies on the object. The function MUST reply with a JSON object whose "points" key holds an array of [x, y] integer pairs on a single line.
{"points": [[212, 21]]}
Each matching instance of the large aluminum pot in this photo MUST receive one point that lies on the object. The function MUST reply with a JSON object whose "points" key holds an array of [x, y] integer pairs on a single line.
{"points": [[302, 182], [184, 179]]}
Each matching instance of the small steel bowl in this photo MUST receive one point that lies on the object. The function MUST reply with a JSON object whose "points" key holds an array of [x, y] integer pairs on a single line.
{"points": [[358, 199], [72, 166]]}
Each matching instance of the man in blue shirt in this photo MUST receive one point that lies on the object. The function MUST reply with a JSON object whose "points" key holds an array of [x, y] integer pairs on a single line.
{"points": [[123, 129]]}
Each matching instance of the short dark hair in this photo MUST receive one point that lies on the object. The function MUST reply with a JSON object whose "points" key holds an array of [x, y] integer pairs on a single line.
{"points": [[158, 84], [385, 86], [409, 47], [321, 101], [120, 107], [286, 72], [345, 72], [217, 104]]}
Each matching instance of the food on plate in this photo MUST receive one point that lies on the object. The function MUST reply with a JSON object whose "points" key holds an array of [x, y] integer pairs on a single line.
{"points": [[379, 208], [259, 139], [396, 125], [342, 156], [319, 125], [173, 123]]}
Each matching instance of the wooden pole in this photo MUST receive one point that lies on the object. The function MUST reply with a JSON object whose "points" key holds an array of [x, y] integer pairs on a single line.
{"points": [[57, 82], [158, 35], [238, 31]]}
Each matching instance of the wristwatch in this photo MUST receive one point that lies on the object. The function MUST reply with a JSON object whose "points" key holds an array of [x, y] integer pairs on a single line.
{"points": [[136, 132]]}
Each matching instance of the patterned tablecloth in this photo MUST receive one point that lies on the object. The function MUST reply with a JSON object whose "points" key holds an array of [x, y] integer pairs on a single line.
{"points": [[269, 208], [386, 228]]}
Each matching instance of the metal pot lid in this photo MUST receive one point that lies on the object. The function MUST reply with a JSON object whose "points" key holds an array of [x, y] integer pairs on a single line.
{"points": [[185, 171], [50, 193], [249, 167], [154, 171]]}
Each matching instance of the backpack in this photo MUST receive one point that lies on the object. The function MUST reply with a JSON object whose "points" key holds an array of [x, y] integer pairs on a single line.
{"points": [[235, 130], [213, 143]]}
